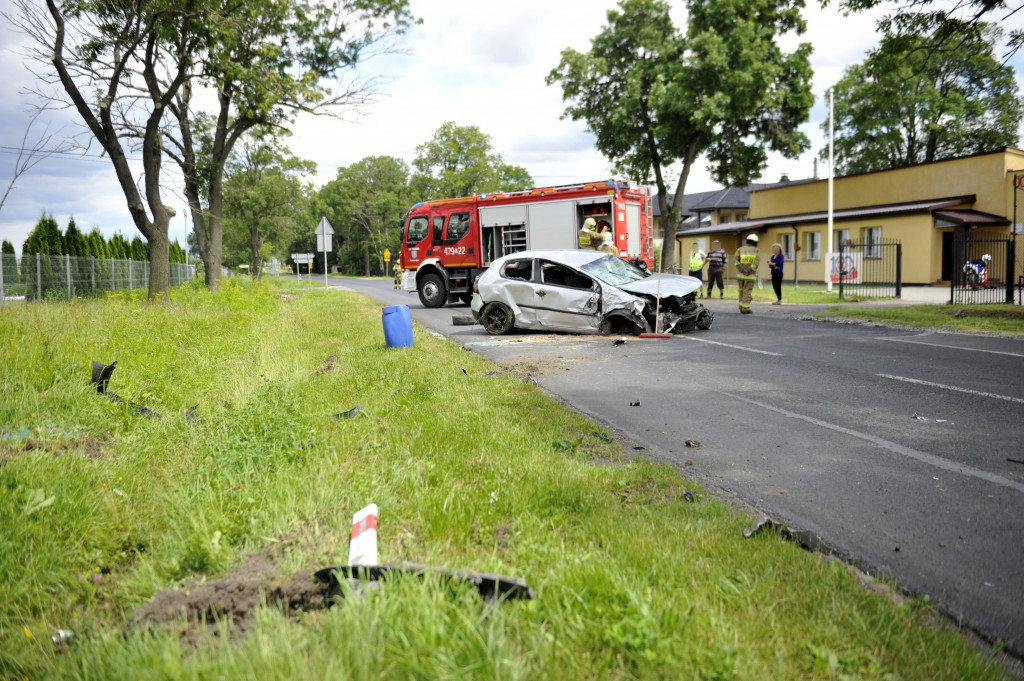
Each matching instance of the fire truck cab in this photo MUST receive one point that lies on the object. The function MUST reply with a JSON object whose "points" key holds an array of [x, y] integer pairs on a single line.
{"points": [[448, 242]]}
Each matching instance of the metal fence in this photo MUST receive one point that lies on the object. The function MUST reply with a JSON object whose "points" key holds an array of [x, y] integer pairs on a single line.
{"points": [[983, 268], [869, 268], [36, 277]]}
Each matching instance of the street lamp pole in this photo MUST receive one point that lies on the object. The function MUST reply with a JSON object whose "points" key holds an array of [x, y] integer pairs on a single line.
{"points": [[831, 183]]}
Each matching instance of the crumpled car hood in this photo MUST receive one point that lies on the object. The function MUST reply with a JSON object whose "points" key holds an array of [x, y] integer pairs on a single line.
{"points": [[671, 285]]}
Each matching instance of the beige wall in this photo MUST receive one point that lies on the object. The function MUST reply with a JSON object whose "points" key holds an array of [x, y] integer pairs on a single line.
{"points": [[983, 176]]}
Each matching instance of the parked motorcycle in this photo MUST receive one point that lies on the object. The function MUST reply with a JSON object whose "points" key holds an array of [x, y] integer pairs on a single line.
{"points": [[976, 272]]}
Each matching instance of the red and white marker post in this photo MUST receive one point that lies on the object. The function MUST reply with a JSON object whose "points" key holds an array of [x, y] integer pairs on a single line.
{"points": [[362, 548]]}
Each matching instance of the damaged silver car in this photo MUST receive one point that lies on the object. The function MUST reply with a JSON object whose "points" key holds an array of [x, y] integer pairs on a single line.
{"points": [[584, 292]]}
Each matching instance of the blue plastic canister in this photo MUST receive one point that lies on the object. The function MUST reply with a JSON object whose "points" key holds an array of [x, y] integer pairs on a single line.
{"points": [[397, 326]]}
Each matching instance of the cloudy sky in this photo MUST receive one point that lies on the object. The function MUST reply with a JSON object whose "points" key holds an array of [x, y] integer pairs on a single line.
{"points": [[475, 62]]}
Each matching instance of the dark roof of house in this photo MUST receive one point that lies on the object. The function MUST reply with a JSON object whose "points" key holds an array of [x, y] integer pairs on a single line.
{"points": [[969, 218]]}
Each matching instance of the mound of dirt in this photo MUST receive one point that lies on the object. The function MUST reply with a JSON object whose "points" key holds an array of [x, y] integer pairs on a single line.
{"points": [[232, 598]]}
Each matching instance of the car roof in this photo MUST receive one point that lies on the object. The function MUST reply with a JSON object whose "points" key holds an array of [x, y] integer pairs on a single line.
{"points": [[575, 258]]}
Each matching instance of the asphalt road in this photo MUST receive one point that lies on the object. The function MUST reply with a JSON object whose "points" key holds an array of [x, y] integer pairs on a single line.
{"points": [[893, 446]]}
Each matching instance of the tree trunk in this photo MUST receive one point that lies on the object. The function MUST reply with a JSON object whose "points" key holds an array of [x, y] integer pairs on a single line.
{"points": [[366, 256], [159, 263], [255, 246]]}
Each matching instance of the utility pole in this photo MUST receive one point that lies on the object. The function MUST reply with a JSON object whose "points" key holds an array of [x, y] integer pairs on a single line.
{"points": [[831, 179]]}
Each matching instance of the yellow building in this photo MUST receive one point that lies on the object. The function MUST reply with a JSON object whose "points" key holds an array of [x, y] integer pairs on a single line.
{"points": [[921, 206]]}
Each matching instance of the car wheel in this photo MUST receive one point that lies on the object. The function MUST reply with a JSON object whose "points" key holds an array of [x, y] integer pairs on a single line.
{"points": [[704, 319], [497, 319], [431, 291]]}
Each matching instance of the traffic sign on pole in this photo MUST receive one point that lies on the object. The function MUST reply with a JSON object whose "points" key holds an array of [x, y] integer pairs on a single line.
{"points": [[387, 255], [324, 242]]}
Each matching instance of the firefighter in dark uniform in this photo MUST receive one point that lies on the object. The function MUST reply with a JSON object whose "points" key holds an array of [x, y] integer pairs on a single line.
{"points": [[747, 260]]}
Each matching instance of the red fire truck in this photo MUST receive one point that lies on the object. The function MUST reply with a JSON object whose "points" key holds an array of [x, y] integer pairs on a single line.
{"points": [[447, 243]]}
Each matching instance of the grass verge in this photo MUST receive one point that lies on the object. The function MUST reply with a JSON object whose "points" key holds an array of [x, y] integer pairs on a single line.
{"points": [[102, 509], [1007, 319]]}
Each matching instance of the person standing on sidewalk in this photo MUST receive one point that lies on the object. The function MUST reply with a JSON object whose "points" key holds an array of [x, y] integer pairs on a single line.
{"points": [[776, 264], [697, 258], [747, 260], [716, 260]]}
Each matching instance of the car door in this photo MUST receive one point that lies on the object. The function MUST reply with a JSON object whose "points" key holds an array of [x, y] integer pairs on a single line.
{"points": [[517, 290], [566, 299]]}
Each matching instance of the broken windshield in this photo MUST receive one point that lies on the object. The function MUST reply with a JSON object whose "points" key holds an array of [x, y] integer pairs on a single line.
{"points": [[614, 271]]}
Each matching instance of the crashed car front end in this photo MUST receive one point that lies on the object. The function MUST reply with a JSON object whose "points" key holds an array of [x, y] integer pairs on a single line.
{"points": [[673, 301]]}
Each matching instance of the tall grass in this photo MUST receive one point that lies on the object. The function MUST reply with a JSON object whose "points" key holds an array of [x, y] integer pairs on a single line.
{"points": [[102, 508]]}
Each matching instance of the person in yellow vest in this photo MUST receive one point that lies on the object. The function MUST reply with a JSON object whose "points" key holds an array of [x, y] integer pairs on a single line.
{"points": [[397, 269], [697, 258], [586, 234], [608, 244], [747, 260]]}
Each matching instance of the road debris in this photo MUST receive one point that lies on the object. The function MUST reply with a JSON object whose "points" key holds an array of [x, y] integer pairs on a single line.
{"points": [[619, 341], [62, 637], [350, 414], [101, 374], [635, 403], [692, 443], [490, 586], [805, 538], [464, 371], [688, 495], [435, 334]]}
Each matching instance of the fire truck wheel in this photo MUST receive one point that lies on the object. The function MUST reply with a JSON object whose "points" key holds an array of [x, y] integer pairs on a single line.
{"points": [[466, 298], [497, 319], [431, 290]]}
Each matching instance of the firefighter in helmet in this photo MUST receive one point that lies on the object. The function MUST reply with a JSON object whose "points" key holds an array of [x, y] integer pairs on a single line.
{"points": [[397, 269], [608, 244], [586, 234], [747, 260]]}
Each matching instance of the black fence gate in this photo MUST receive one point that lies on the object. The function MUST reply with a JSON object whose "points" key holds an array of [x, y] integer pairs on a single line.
{"points": [[869, 268], [982, 268]]}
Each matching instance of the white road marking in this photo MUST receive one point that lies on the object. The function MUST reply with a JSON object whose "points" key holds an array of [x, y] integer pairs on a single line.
{"points": [[734, 347], [953, 387], [923, 457], [951, 347]]}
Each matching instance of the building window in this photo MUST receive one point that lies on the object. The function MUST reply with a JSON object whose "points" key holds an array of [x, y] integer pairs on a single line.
{"points": [[787, 245], [724, 220], [813, 246], [741, 217], [840, 237], [873, 242]]}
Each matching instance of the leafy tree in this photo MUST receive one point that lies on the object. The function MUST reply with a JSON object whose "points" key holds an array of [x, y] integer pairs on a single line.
{"points": [[120, 65], [119, 247], [458, 161], [943, 24], [97, 244], [10, 263], [44, 240], [904, 105], [267, 60], [74, 241], [137, 250], [264, 198], [365, 203], [727, 91]]}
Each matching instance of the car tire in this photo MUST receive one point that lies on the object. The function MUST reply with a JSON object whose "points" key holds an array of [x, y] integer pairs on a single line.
{"points": [[466, 298], [431, 291], [497, 319]]}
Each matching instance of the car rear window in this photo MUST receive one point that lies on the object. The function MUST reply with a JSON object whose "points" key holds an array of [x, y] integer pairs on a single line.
{"points": [[518, 269]]}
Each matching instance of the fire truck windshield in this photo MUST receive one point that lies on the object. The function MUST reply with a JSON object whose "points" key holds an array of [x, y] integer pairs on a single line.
{"points": [[417, 230]]}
